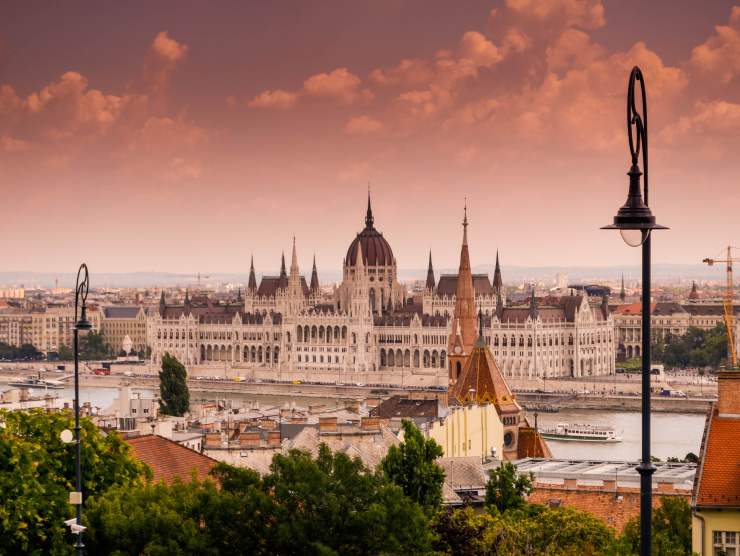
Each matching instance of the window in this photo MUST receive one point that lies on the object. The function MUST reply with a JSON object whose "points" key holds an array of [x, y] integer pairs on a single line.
{"points": [[726, 542]]}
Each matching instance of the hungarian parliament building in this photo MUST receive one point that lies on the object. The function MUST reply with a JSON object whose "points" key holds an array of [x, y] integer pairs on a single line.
{"points": [[375, 331]]}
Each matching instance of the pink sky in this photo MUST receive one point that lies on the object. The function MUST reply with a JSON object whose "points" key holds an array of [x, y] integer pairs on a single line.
{"points": [[184, 136]]}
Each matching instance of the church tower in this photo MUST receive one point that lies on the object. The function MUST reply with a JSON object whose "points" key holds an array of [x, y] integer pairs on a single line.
{"points": [[431, 284], [498, 283], [462, 334]]}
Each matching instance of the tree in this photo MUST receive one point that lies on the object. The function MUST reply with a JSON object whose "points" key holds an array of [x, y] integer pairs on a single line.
{"points": [[37, 473], [65, 353], [505, 490], [671, 531], [411, 466], [173, 387]]}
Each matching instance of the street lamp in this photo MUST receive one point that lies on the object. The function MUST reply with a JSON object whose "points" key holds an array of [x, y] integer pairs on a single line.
{"points": [[81, 324], [634, 220]]}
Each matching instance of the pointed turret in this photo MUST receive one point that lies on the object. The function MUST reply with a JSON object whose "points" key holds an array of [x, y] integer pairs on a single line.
{"points": [[162, 304], [390, 307], [252, 284], [369, 220], [622, 295], [314, 277], [694, 294], [283, 280], [239, 296], [294, 262], [499, 306], [533, 306], [431, 284], [605, 305], [462, 337], [187, 303], [498, 283]]}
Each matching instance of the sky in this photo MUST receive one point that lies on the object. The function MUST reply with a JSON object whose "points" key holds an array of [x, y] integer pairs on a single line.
{"points": [[187, 136]]}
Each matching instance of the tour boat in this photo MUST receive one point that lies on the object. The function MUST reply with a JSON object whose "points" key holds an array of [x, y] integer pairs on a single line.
{"points": [[33, 381], [581, 433]]}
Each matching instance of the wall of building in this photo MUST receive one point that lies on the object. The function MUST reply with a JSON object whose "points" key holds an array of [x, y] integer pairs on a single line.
{"points": [[469, 431], [724, 520]]}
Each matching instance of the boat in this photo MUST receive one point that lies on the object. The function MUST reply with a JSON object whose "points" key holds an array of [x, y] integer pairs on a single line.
{"points": [[34, 381], [542, 407], [581, 433]]}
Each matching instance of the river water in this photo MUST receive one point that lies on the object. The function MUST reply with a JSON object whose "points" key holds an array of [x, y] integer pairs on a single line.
{"points": [[673, 434]]}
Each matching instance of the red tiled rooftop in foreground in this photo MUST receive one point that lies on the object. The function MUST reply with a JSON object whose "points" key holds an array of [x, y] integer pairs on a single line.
{"points": [[168, 458], [718, 479]]}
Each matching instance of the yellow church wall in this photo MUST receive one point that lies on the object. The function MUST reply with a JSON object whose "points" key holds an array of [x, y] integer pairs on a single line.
{"points": [[725, 520], [471, 430]]}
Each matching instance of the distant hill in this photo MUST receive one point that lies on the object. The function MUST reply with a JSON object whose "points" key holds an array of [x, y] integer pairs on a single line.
{"points": [[662, 273]]}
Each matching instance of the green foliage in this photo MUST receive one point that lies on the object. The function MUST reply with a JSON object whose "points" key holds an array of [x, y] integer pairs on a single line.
{"points": [[26, 351], [65, 353], [697, 347], [671, 531], [505, 490], [330, 505], [532, 529], [173, 387], [93, 346], [153, 519], [411, 466], [37, 473]]}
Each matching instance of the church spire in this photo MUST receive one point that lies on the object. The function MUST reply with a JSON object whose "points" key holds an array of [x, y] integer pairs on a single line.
{"points": [[369, 216], [430, 274], [498, 283], [314, 276], [252, 284], [282, 266], [465, 225], [294, 262]]}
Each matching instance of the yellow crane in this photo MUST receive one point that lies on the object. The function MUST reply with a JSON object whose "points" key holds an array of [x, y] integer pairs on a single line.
{"points": [[728, 301]]}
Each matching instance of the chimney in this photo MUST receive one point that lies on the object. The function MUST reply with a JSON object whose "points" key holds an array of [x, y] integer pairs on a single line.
{"points": [[370, 423], [327, 424], [267, 424], [372, 402], [316, 408], [213, 439], [352, 405], [250, 439], [728, 392], [285, 412], [299, 420], [273, 438]]}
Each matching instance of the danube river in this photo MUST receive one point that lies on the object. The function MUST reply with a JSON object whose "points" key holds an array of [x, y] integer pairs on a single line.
{"points": [[673, 434]]}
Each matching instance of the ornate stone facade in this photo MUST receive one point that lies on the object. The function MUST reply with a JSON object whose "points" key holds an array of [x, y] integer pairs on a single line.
{"points": [[372, 331]]}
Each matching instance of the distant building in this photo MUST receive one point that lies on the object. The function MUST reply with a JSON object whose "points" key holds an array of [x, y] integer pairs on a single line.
{"points": [[121, 321]]}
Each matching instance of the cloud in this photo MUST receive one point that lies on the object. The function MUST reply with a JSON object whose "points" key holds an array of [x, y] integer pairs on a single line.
{"points": [[409, 72], [339, 86], [719, 56], [363, 125], [15, 145], [479, 50], [162, 133], [231, 101], [9, 101], [274, 99], [161, 60], [179, 169], [587, 14]]}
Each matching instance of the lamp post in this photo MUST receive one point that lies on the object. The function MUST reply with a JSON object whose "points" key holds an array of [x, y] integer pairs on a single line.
{"points": [[634, 220], [81, 290]]}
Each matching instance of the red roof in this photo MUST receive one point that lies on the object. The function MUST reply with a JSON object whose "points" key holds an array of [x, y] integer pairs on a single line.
{"points": [[168, 458], [633, 309], [532, 445], [718, 475]]}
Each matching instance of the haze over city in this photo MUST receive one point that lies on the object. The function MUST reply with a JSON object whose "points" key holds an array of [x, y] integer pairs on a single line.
{"points": [[183, 137]]}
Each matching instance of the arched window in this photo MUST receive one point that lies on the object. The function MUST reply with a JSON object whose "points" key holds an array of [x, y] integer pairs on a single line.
{"points": [[354, 338], [299, 333], [443, 359], [275, 354]]}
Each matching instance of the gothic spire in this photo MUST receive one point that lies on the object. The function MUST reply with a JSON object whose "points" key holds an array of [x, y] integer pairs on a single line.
{"points": [[252, 284], [369, 216], [465, 225], [239, 296], [314, 276], [294, 262], [430, 273], [533, 305], [282, 266], [498, 283]]}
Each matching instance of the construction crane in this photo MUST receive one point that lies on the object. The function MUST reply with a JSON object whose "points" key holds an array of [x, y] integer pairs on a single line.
{"points": [[728, 301]]}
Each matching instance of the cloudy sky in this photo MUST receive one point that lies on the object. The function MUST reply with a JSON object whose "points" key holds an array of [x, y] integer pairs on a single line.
{"points": [[184, 136]]}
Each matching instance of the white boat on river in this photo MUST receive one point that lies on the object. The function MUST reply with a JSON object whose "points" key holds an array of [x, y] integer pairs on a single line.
{"points": [[581, 433]]}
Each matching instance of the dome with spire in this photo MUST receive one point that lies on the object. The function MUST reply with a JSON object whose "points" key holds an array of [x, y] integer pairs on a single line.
{"points": [[375, 249]]}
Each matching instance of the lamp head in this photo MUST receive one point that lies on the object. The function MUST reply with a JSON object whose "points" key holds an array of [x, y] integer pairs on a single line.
{"points": [[634, 219], [83, 323]]}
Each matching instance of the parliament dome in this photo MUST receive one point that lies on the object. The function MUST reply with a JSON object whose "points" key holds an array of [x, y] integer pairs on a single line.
{"points": [[375, 249]]}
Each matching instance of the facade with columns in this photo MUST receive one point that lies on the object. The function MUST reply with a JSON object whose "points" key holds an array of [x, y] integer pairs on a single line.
{"points": [[284, 329]]}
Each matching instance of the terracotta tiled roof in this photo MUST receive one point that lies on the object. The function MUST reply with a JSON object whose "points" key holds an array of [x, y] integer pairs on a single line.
{"points": [[718, 475], [168, 458], [463, 472], [483, 375], [633, 309], [532, 445], [396, 406]]}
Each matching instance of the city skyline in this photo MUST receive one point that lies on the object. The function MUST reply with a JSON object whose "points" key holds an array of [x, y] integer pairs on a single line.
{"points": [[187, 137]]}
